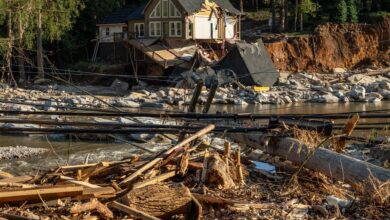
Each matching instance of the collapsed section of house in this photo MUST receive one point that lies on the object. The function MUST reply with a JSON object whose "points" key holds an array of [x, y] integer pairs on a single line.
{"points": [[177, 37]]}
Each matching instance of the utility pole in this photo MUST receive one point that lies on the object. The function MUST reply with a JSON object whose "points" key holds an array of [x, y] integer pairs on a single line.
{"points": [[41, 72]]}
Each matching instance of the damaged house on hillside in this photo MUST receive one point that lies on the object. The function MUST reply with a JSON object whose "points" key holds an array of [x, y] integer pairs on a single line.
{"points": [[176, 36]]}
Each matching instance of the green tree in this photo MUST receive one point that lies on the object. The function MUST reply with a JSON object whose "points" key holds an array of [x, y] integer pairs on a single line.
{"points": [[342, 12], [307, 7], [352, 11]]}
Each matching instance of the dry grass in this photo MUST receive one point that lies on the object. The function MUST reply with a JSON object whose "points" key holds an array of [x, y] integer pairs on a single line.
{"points": [[310, 138]]}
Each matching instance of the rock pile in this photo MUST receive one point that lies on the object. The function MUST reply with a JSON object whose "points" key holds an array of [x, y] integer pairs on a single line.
{"points": [[300, 87]]}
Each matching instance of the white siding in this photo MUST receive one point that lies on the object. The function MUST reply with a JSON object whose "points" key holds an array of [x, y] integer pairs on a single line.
{"points": [[229, 31], [206, 27], [104, 38]]}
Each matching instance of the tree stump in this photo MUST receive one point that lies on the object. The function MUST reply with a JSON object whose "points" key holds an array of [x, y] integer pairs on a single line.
{"points": [[160, 200]]}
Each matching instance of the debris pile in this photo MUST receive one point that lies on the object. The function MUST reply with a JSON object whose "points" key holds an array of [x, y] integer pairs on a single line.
{"points": [[195, 179]]}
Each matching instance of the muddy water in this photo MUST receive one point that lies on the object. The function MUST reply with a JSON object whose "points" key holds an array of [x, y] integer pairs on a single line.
{"points": [[75, 151]]}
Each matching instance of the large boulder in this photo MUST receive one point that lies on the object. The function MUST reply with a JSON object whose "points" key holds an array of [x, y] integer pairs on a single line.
{"points": [[358, 93]]}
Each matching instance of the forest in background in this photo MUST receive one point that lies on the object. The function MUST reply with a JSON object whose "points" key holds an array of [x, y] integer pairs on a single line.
{"points": [[46, 33]]}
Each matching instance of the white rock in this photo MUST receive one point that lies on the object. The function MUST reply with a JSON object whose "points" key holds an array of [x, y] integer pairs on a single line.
{"points": [[375, 95], [161, 94], [358, 93], [326, 99], [339, 70], [384, 85], [334, 201]]}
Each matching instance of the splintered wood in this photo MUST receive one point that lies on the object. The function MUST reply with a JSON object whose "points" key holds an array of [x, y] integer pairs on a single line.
{"points": [[193, 180]]}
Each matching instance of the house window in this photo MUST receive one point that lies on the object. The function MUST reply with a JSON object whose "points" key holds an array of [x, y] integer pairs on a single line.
{"points": [[107, 31], [175, 29], [156, 13], [155, 29], [173, 12], [165, 8], [139, 29]]}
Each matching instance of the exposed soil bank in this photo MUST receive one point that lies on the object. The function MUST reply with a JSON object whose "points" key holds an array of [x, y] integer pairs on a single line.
{"points": [[333, 45]]}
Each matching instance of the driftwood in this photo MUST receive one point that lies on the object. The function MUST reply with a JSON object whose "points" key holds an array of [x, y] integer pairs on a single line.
{"points": [[218, 173], [160, 200], [330, 163], [93, 205], [160, 157]]}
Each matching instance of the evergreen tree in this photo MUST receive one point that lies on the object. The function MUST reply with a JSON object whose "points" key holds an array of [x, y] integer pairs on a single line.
{"points": [[342, 12], [352, 11]]}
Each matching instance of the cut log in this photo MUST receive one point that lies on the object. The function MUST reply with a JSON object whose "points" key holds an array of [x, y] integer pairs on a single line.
{"points": [[330, 163], [160, 200]]}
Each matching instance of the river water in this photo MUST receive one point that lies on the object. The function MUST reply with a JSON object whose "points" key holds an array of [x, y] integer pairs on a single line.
{"points": [[75, 151]]}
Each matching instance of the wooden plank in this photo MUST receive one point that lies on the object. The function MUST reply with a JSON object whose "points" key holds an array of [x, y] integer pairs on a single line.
{"points": [[18, 179], [80, 183], [38, 193], [4, 175], [103, 192], [155, 180], [131, 211]]}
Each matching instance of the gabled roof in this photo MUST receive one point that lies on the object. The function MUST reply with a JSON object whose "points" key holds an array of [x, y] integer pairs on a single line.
{"points": [[137, 14], [227, 5], [192, 6], [117, 17]]}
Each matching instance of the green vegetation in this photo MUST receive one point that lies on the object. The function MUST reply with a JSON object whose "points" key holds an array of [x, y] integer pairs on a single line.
{"points": [[342, 12]]}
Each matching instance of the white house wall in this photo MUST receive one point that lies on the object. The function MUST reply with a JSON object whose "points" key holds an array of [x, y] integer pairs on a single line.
{"points": [[113, 29], [229, 30], [203, 27]]}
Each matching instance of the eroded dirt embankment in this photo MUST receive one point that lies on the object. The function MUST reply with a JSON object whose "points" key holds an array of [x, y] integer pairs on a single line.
{"points": [[333, 45]]}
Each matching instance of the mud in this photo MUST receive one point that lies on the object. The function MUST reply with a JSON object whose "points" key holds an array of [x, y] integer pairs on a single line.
{"points": [[347, 46]]}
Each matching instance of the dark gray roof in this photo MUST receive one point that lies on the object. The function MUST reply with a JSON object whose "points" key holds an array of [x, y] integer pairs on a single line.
{"points": [[118, 16], [251, 63], [137, 14], [192, 6], [227, 5]]}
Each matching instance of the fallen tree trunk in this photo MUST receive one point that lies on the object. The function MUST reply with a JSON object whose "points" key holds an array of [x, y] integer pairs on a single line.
{"points": [[330, 163]]}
